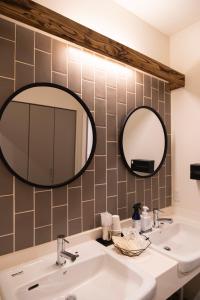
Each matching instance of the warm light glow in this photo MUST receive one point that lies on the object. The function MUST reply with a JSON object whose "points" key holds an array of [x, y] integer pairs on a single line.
{"points": [[75, 53], [100, 62]]}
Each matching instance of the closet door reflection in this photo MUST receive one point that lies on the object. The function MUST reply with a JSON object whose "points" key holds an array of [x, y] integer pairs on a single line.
{"points": [[53, 130], [41, 132], [15, 137], [65, 126], [47, 135]]}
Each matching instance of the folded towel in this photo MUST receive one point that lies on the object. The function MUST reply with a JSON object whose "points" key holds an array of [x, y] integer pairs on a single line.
{"points": [[136, 243]]}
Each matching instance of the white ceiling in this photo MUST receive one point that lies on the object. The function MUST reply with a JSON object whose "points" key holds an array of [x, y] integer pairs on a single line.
{"points": [[168, 16]]}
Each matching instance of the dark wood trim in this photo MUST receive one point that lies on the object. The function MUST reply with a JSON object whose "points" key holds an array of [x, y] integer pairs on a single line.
{"points": [[40, 17]]}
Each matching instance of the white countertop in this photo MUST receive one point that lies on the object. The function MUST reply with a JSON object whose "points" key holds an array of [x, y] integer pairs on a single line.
{"points": [[161, 267]]}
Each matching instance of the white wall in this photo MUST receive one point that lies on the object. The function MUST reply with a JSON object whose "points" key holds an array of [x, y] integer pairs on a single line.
{"points": [[185, 56], [113, 21], [143, 137]]}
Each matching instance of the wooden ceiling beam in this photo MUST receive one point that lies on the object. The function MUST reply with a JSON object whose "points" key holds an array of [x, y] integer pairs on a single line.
{"points": [[38, 16]]}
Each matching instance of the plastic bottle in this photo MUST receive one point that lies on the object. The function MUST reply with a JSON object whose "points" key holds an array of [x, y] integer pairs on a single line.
{"points": [[146, 221], [136, 217]]}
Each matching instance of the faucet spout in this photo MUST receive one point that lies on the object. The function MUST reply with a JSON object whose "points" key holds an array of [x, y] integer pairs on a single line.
{"points": [[157, 221], [61, 253], [165, 220]]}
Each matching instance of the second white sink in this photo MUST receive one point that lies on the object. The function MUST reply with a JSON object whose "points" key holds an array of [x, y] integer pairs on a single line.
{"points": [[180, 241]]}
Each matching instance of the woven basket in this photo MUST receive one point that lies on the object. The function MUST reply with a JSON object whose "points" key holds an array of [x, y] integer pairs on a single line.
{"points": [[133, 252]]}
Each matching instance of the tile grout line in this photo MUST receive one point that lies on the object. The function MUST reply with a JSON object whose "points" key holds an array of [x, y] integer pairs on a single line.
{"points": [[34, 215], [117, 138], [44, 226], [43, 51], [75, 187], [24, 212], [42, 191], [5, 235], [106, 111], [14, 191], [67, 210], [24, 63], [34, 196], [150, 180], [6, 39], [9, 78], [51, 190], [120, 155], [94, 105], [82, 220], [2, 196]]}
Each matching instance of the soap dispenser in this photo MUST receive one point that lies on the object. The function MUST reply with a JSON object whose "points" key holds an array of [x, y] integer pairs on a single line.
{"points": [[146, 220], [136, 217]]}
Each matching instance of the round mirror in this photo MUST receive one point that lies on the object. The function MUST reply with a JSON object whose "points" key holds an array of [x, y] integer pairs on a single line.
{"points": [[143, 141], [47, 135]]}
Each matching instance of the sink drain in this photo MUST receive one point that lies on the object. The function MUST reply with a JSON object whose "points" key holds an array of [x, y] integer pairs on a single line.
{"points": [[167, 248], [71, 297]]}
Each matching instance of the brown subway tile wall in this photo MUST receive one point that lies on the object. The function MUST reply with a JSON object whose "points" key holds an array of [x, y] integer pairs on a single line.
{"points": [[59, 63], [42, 208], [59, 79], [7, 29], [74, 203], [88, 185], [24, 45], [35, 216], [112, 205], [60, 196], [6, 58], [24, 74], [6, 243], [59, 220], [23, 196], [6, 213], [6, 89], [42, 66], [24, 230], [88, 215], [6, 182], [42, 42], [42, 235], [74, 226], [100, 198]]}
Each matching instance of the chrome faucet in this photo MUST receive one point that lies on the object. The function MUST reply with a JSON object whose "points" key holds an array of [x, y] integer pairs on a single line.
{"points": [[157, 220], [61, 253]]}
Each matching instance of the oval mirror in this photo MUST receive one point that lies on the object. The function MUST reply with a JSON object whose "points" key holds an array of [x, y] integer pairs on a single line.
{"points": [[47, 135], [143, 142]]}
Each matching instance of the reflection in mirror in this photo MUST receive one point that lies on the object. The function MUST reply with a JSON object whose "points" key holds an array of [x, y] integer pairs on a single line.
{"points": [[143, 141], [47, 135]]}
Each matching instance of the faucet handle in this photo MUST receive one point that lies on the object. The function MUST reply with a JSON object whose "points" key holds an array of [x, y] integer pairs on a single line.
{"points": [[157, 210], [62, 236]]}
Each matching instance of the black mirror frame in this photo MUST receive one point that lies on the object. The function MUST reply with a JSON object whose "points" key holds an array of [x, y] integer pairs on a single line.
{"points": [[121, 141], [10, 98]]}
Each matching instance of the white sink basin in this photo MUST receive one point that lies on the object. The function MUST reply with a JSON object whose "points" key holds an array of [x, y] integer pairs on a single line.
{"points": [[180, 241], [96, 274]]}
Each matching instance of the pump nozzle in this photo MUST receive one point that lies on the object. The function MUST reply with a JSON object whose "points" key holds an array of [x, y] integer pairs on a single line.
{"points": [[137, 206], [136, 211], [145, 210]]}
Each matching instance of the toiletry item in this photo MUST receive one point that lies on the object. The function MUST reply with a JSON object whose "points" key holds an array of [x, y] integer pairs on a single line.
{"points": [[116, 226], [136, 217], [146, 220], [106, 223]]}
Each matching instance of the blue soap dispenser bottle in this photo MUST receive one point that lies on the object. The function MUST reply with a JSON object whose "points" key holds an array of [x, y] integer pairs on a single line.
{"points": [[136, 217]]}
